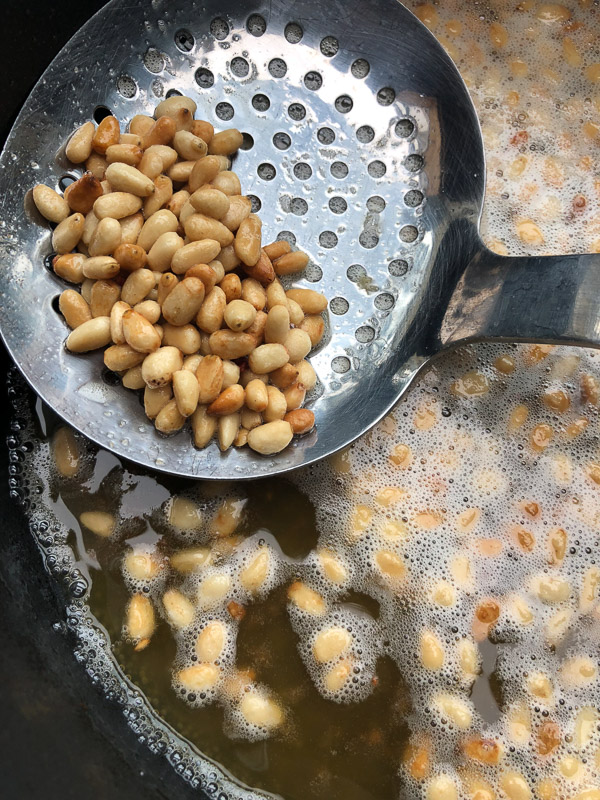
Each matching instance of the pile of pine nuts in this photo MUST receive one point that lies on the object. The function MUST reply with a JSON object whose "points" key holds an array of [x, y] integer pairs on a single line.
{"points": [[174, 281]]}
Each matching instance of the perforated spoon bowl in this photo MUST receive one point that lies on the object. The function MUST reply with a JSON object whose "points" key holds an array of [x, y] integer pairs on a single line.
{"points": [[361, 144]]}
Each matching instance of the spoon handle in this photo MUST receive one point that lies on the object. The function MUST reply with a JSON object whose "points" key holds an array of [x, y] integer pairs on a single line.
{"points": [[553, 299]]}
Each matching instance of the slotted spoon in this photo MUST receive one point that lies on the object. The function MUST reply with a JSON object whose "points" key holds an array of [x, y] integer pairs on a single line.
{"points": [[361, 144]]}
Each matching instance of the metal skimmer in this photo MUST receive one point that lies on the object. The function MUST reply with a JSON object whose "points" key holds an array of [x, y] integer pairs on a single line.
{"points": [[361, 144]]}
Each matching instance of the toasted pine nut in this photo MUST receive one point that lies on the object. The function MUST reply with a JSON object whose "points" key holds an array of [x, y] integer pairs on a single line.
{"points": [[226, 142], [185, 337], [192, 362], [203, 426], [206, 274], [210, 378], [107, 133], [254, 293], [228, 258], [177, 201], [204, 171], [301, 419], [229, 401], [120, 357], [284, 376], [117, 205], [314, 325], [276, 407], [130, 256], [183, 303], [198, 227], [155, 399], [310, 302], [74, 308], [86, 289], [168, 419], [250, 419], [210, 315], [257, 397], [65, 452], [171, 105], [96, 164], [70, 267], [50, 204], [227, 182], [294, 396], [140, 124], [161, 195], [83, 193], [298, 345], [132, 379], [262, 271], [137, 285], [239, 315], [277, 249], [231, 374], [139, 333], [211, 203], [186, 391], [131, 227], [203, 129], [158, 367], [105, 238], [125, 178], [268, 357], [161, 132], [290, 262], [162, 251], [232, 287], [160, 222], [116, 321], [166, 284], [240, 208], [227, 428], [278, 324], [67, 233], [122, 153], [230, 344], [90, 335], [247, 242], [79, 146], [201, 252], [103, 296]]}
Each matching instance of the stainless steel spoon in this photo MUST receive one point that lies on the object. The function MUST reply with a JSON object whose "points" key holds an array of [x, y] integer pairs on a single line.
{"points": [[363, 146]]}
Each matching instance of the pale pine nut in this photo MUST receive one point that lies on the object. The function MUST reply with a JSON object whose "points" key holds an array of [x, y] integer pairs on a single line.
{"points": [[172, 105], [166, 284], [70, 267], [257, 397], [177, 201], [298, 345], [105, 238], [86, 289], [161, 195], [228, 258], [137, 285], [189, 146], [211, 203], [442, 787], [330, 643], [90, 335], [107, 133], [103, 296], [192, 362], [169, 420], [120, 357], [65, 451], [167, 155], [160, 222], [83, 193], [247, 242], [181, 171], [231, 374], [210, 315], [156, 399], [185, 337], [232, 287], [74, 308], [227, 428], [148, 309], [240, 208], [117, 205], [116, 321], [310, 302], [301, 419], [129, 138], [306, 599], [431, 651], [276, 407], [254, 293], [179, 610], [250, 419], [284, 376], [257, 329], [199, 677], [261, 711], [211, 641], [132, 379], [198, 227], [183, 303], [239, 315], [456, 709], [99, 522], [139, 333], [125, 178], [296, 313], [203, 426], [268, 357], [79, 146], [278, 324], [122, 153], [202, 252], [290, 262], [158, 367], [67, 233], [226, 182], [131, 227], [226, 142], [186, 391], [204, 171], [151, 164], [276, 295]]}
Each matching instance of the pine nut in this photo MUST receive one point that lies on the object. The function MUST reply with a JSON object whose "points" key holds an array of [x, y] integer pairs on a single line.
{"points": [[239, 209], [160, 222], [296, 313], [198, 227], [247, 242], [284, 376], [83, 193], [103, 296], [130, 154], [90, 335], [231, 374], [226, 142], [161, 132], [139, 333], [229, 401], [204, 171], [132, 379], [137, 286], [227, 428], [67, 233], [148, 309], [156, 399], [177, 201], [65, 452], [117, 205], [203, 426], [203, 129], [158, 367], [276, 407], [301, 419], [159, 197], [140, 621], [125, 178], [257, 397], [79, 146], [268, 357], [166, 284], [211, 203], [290, 263], [228, 258], [314, 325], [254, 293], [262, 271], [96, 164], [186, 391], [189, 146], [298, 345], [69, 266], [99, 522], [105, 238], [120, 357], [201, 252], [294, 396], [310, 302], [211, 641], [169, 420], [227, 182], [277, 327], [232, 287], [276, 295], [74, 308], [183, 303], [184, 337], [131, 227], [239, 315]]}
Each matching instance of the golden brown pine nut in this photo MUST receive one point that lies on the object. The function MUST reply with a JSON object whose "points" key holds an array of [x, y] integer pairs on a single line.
{"points": [[262, 271], [67, 233], [96, 164], [74, 308], [284, 376], [203, 426], [239, 315], [210, 316], [156, 399], [177, 202], [310, 302], [83, 193], [254, 293], [291, 262], [166, 284], [294, 396], [206, 274], [158, 367], [277, 405], [69, 266], [228, 258], [203, 129], [65, 451], [186, 391], [139, 333], [162, 251], [130, 257], [105, 238], [140, 124], [226, 182], [229, 401], [131, 227], [231, 345], [314, 325], [232, 286], [239, 209], [204, 171], [277, 249], [298, 344], [198, 227], [189, 147], [162, 132], [185, 337], [257, 397], [167, 155], [116, 321], [100, 268], [117, 205], [86, 289], [151, 164], [270, 438], [107, 133], [79, 146], [103, 296], [226, 142], [183, 302], [210, 375], [268, 357], [137, 285], [161, 195], [125, 178], [90, 335], [50, 204], [121, 153], [278, 324], [120, 357], [247, 241], [210, 202], [301, 419], [169, 419], [276, 295], [160, 222]]}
